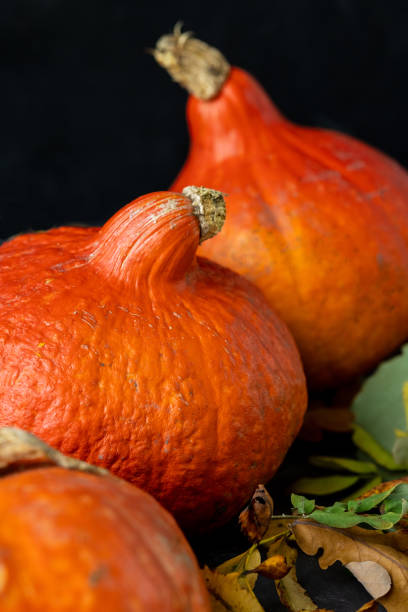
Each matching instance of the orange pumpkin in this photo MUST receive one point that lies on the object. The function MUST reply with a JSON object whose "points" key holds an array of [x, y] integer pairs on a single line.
{"points": [[318, 220], [77, 541], [120, 347]]}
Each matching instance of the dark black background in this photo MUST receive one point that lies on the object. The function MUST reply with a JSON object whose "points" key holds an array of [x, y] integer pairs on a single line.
{"points": [[88, 121]]}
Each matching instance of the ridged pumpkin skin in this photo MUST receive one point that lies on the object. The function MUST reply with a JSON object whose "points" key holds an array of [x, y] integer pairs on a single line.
{"points": [[317, 220], [73, 541], [119, 347]]}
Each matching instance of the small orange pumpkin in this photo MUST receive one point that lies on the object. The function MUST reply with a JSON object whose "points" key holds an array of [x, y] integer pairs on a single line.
{"points": [[78, 541], [119, 347], [316, 219]]}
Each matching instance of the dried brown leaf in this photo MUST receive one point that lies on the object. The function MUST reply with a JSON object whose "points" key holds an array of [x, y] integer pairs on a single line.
{"points": [[357, 544], [228, 594], [286, 547], [278, 526], [20, 449], [254, 520], [374, 577], [398, 539], [248, 560], [274, 567], [293, 595], [370, 606], [290, 592], [383, 486]]}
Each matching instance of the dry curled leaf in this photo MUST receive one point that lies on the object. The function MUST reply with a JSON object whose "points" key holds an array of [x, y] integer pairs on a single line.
{"points": [[370, 606], [403, 523], [293, 595], [357, 544], [373, 576], [364, 488], [248, 560], [228, 594], [290, 592], [383, 486], [254, 520], [278, 527], [285, 546], [21, 449], [274, 567]]}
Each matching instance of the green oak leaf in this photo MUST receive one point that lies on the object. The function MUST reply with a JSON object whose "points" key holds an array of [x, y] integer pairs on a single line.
{"points": [[393, 501], [344, 520], [367, 486], [301, 504], [400, 451], [381, 408], [398, 494], [349, 465], [368, 503], [367, 443], [324, 485]]}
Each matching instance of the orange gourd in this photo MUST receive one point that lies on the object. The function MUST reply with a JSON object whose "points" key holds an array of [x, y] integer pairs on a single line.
{"points": [[316, 219], [119, 347], [72, 540]]}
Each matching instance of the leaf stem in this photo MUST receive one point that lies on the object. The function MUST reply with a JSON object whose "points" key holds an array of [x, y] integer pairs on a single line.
{"points": [[274, 538], [248, 555]]}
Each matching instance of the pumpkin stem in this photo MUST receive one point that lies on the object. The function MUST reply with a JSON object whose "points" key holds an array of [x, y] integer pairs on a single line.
{"points": [[156, 236], [201, 69], [209, 208]]}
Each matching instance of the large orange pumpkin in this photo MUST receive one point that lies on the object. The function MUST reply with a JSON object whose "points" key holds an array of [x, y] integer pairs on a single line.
{"points": [[78, 542], [318, 220], [120, 347]]}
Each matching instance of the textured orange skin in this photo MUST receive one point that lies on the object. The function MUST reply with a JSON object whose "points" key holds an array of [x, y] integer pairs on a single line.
{"points": [[121, 348], [317, 220], [74, 541]]}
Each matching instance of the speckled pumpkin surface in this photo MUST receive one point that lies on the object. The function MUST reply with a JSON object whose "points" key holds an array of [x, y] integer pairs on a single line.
{"points": [[316, 219], [120, 347], [74, 541]]}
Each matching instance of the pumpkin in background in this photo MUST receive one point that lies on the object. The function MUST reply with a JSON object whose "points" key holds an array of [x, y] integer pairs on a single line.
{"points": [[119, 347], [84, 542], [316, 219]]}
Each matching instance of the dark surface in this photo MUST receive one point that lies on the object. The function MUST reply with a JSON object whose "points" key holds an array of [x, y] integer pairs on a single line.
{"points": [[331, 589], [88, 121]]}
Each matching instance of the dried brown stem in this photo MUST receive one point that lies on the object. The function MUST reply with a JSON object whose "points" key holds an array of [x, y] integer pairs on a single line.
{"points": [[201, 69], [20, 449]]}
